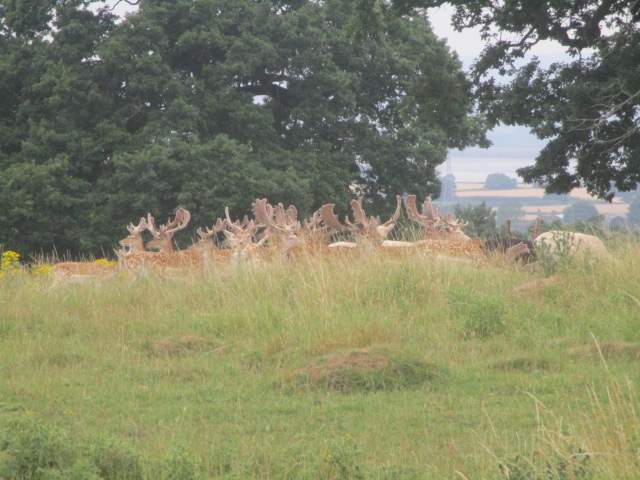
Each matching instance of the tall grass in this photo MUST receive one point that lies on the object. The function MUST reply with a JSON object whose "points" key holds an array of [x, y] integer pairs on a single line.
{"points": [[196, 376]]}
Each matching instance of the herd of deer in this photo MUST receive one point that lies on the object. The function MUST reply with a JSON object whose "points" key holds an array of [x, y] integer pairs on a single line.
{"points": [[276, 230]]}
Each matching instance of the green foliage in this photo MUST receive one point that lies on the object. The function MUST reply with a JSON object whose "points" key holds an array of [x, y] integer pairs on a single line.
{"points": [[211, 103], [499, 181], [481, 220], [580, 212]]}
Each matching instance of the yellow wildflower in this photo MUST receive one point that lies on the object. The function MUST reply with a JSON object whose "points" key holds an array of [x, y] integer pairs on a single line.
{"points": [[106, 263], [41, 269], [10, 261]]}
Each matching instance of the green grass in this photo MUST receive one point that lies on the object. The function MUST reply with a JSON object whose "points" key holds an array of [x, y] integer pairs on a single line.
{"points": [[212, 376]]}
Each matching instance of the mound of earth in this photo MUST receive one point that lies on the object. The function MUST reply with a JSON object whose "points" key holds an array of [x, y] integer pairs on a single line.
{"points": [[365, 370]]}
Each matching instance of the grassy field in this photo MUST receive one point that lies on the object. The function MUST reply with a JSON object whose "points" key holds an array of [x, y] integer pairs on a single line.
{"points": [[361, 366]]}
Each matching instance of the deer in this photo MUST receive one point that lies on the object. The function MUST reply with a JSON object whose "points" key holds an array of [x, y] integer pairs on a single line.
{"points": [[134, 241], [281, 225], [167, 256], [433, 225], [205, 245], [364, 228], [79, 272], [242, 238], [163, 235], [514, 249]]}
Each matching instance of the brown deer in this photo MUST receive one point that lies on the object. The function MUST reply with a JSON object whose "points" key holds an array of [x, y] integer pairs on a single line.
{"points": [[281, 225], [134, 241], [167, 257], [163, 235], [434, 226], [242, 237], [363, 228]]}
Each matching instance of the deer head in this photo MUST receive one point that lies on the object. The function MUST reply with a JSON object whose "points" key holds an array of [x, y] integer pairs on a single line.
{"points": [[432, 223], [134, 242], [362, 226], [205, 236], [281, 225], [163, 235], [239, 235]]}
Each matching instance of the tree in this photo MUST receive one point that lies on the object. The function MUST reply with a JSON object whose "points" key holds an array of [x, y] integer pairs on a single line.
{"points": [[586, 107], [580, 212], [207, 103], [448, 188], [499, 181], [634, 213], [481, 220], [509, 211]]}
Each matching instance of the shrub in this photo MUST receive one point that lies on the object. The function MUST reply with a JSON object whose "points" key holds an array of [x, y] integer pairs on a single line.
{"points": [[481, 220]]}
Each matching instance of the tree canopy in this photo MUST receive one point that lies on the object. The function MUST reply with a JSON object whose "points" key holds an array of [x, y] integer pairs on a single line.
{"points": [[580, 212], [206, 103], [588, 107], [499, 181]]}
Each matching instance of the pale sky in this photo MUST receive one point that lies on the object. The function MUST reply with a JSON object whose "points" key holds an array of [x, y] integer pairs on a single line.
{"points": [[513, 147]]}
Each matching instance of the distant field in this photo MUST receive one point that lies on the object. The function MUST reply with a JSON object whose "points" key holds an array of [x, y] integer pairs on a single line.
{"points": [[477, 190], [524, 193], [366, 366]]}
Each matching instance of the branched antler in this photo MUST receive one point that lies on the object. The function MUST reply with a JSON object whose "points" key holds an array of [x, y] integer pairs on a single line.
{"points": [[432, 222], [163, 235]]}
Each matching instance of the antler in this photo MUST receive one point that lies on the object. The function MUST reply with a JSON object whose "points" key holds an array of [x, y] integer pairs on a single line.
{"points": [[396, 215], [412, 212], [137, 229], [263, 211], [179, 222], [358, 213], [164, 234], [430, 219], [329, 217], [207, 233]]}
